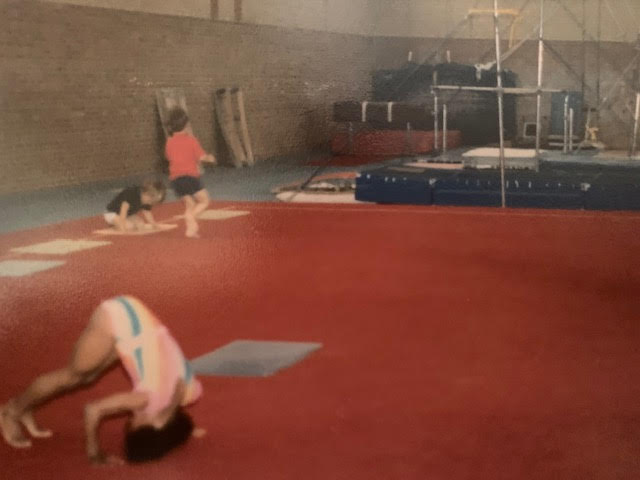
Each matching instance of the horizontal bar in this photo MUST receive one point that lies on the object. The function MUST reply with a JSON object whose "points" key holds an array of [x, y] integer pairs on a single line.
{"points": [[512, 12], [505, 90]]}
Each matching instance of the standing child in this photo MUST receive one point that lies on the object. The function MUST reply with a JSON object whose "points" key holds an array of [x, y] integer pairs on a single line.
{"points": [[185, 154], [123, 210]]}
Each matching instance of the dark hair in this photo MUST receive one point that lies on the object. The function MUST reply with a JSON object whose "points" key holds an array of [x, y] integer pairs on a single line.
{"points": [[178, 119], [152, 186], [147, 443]]}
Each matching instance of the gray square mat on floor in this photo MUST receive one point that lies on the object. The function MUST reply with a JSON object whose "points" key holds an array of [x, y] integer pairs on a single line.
{"points": [[252, 358]]}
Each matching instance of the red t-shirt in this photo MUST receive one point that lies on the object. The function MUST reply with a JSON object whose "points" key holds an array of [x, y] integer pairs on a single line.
{"points": [[183, 152]]}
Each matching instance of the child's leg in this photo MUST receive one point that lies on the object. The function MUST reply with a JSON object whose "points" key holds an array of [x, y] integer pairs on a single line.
{"points": [[189, 217], [202, 202], [187, 188], [94, 352], [195, 205]]}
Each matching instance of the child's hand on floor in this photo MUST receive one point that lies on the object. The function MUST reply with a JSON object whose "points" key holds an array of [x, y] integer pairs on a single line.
{"points": [[106, 461], [120, 226]]}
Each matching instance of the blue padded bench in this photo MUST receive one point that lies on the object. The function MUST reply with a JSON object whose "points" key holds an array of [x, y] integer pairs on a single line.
{"points": [[403, 185], [523, 190], [613, 197]]}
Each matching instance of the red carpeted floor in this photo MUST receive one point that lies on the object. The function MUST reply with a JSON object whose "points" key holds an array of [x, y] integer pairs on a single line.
{"points": [[458, 343]]}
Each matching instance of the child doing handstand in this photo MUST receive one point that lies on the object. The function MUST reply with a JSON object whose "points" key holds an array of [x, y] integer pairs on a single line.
{"points": [[121, 329]]}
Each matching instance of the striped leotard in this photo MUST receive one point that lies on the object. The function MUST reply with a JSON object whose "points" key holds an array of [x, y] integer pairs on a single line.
{"points": [[150, 355]]}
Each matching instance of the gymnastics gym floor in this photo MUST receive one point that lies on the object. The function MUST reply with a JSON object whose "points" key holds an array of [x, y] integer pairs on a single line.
{"points": [[457, 343]]}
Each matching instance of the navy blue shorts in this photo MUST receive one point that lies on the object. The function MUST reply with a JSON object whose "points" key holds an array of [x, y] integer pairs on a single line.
{"points": [[186, 185]]}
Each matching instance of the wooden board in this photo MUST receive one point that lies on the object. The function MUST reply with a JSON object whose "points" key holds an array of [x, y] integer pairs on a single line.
{"points": [[218, 214], [241, 121], [224, 114]]}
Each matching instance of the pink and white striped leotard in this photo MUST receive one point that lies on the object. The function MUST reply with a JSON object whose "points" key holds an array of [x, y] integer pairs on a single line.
{"points": [[150, 355]]}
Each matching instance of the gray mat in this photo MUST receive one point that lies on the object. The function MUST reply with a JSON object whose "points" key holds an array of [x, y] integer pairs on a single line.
{"points": [[252, 358]]}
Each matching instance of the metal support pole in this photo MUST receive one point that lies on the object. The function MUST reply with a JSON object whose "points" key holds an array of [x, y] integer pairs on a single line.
{"points": [[598, 55], [571, 116], [436, 112], [500, 101], [540, 65], [350, 138], [530, 36], [583, 78], [410, 147], [565, 139], [444, 129], [634, 141]]}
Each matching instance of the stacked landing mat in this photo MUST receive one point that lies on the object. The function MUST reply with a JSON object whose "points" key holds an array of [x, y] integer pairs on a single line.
{"points": [[417, 186], [515, 158], [473, 113], [385, 115], [390, 142], [387, 129]]}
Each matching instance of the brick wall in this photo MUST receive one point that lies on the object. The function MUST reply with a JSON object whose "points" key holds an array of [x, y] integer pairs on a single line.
{"points": [[78, 87]]}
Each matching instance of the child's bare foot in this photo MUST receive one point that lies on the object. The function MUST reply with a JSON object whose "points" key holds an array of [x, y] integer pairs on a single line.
{"points": [[11, 430], [29, 423], [198, 432], [192, 227]]}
